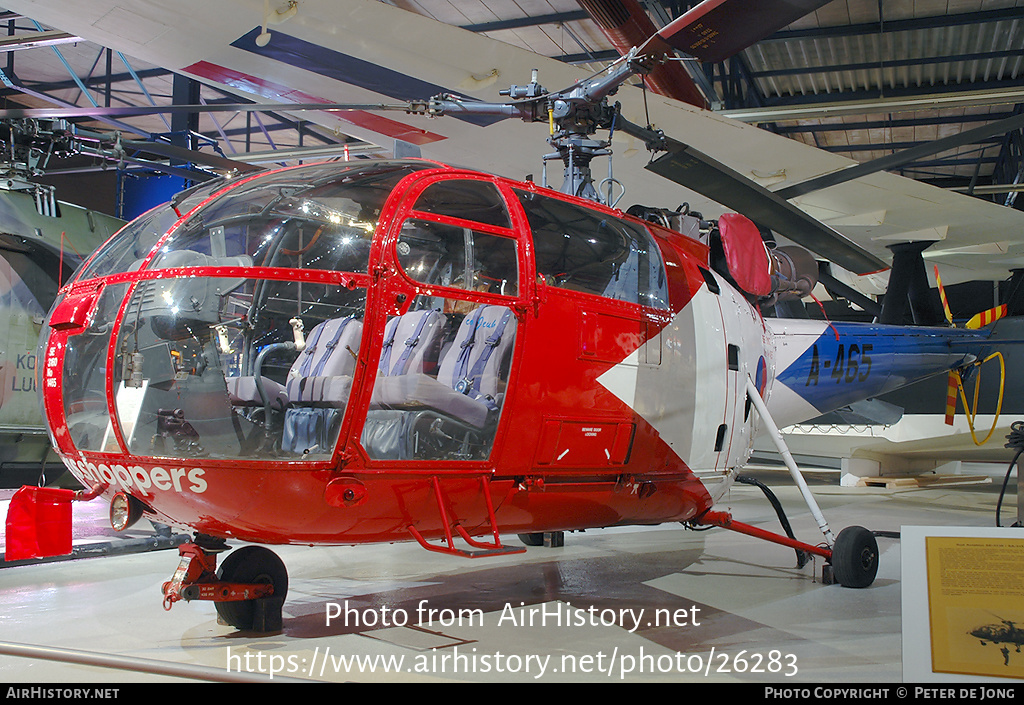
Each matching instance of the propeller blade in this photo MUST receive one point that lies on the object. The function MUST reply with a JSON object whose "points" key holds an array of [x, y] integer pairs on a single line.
{"points": [[90, 112], [698, 172], [717, 29], [980, 320]]}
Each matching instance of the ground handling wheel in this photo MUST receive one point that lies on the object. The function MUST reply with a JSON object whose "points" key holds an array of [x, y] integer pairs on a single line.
{"points": [[535, 539], [253, 564], [855, 557]]}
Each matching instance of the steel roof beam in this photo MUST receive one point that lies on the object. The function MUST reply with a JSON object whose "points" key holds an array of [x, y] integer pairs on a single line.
{"points": [[886, 146], [868, 102], [519, 22], [903, 25], [598, 56], [14, 83], [888, 64], [97, 81], [1009, 126], [898, 122], [285, 122], [917, 166]]}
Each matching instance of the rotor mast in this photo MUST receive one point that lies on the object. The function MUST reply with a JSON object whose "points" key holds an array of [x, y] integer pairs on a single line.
{"points": [[574, 116]]}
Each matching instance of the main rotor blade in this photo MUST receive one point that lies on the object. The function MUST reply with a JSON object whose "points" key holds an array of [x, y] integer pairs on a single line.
{"points": [[180, 171], [183, 154], [90, 112], [905, 156], [696, 171], [716, 29]]}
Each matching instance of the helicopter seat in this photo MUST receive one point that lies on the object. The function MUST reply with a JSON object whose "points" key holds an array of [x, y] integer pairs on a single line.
{"points": [[318, 385], [322, 373], [243, 391], [321, 344], [470, 380], [412, 345]]}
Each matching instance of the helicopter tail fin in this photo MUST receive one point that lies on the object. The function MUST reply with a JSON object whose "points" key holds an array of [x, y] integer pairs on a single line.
{"points": [[952, 387], [979, 320], [954, 384]]}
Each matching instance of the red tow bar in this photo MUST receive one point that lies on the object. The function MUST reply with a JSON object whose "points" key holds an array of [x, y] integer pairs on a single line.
{"points": [[724, 520]]}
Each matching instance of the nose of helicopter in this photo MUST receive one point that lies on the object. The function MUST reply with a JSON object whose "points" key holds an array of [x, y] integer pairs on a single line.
{"points": [[178, 343]]}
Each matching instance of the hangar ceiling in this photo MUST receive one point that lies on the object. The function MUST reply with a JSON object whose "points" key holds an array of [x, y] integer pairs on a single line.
{"points": [[862, 78]]}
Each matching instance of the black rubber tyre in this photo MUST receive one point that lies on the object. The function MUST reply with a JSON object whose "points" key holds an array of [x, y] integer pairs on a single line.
{"points": [[855, 557], [532, 539], [250, 564]]}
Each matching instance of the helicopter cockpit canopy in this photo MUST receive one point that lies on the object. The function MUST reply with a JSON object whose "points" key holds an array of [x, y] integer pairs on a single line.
{"points": [[228, 324], [319, 217], [218, 348]]}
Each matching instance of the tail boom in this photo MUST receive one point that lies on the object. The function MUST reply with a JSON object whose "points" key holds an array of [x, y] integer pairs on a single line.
{"points": [[825, 366]]}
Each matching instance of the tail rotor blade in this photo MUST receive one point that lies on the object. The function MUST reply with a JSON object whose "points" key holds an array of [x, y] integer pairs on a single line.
{"points": [[952, 387], [980, 320], [942, 295]]}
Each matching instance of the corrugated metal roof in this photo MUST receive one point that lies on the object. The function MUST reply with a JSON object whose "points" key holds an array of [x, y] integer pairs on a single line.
{"points": [[843, 51]]}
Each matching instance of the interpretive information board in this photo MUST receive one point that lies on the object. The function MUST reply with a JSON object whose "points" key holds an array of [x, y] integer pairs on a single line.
{"points": [[976, 605]]}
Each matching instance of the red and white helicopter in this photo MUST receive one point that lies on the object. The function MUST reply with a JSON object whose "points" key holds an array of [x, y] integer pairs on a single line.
{"points": [[379, 351]]}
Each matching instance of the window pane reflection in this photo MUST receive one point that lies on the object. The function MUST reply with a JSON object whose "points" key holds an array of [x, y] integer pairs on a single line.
{"points": [[226, 368]]}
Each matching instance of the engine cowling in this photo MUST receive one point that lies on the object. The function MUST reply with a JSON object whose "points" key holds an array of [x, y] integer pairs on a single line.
{"points": [[794, 272], [785, 272]]}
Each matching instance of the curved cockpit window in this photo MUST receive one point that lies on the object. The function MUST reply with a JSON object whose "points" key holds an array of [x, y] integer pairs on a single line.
{"points": [[443, 253], [126, 250], [219, 367], [232, 364], [466, 199], [319, 217], [585, 250], [83, 383], [463, 258], [445, 363], [324, 219]]}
